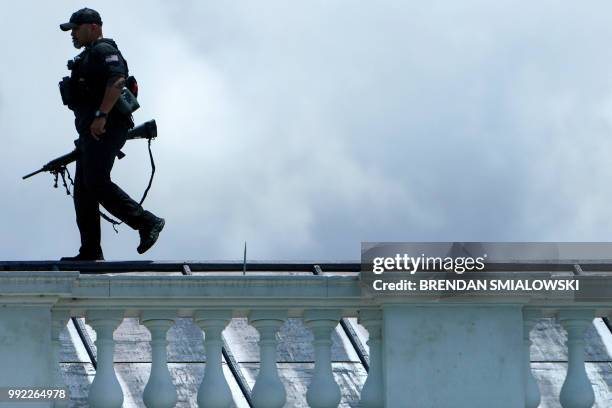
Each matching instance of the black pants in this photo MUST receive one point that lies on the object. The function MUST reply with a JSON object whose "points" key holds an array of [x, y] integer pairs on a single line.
{"points": [[93, 186]]}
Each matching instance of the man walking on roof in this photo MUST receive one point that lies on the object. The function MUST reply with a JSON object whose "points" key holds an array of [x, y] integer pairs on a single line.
{"points": [[98, 77]]}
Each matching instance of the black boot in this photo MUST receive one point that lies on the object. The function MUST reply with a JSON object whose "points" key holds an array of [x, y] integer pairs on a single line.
{"points": [[83, 257], [149, 234]]}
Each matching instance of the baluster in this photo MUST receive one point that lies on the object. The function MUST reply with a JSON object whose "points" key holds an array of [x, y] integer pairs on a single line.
{"points": [[159, 392], [532, 392], [214, 391], [323, 392], [105, 391], [372, 393], [59, 319], [269, 391], [577, 391]]}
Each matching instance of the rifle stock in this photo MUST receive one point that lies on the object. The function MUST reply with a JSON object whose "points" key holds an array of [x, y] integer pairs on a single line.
{"points": [[147, 130]]}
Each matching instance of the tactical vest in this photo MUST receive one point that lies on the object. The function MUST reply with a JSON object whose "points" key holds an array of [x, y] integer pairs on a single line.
{"points": [[87, 85]]}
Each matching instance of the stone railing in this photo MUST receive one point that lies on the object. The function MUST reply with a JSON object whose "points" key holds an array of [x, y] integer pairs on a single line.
{"points": [[425, 351]]}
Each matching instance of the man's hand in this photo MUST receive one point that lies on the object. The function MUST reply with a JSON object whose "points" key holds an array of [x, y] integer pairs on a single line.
{"points": [[97, 128]]}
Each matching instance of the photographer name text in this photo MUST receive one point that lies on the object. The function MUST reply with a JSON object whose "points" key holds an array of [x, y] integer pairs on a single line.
{"points": [[492, 285]]}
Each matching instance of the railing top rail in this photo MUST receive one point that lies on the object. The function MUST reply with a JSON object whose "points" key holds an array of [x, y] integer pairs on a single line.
{"points": [[177, 266]]}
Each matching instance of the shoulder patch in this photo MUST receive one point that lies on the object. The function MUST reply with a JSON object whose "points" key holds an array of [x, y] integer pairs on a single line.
{"points": [[112, 58]]}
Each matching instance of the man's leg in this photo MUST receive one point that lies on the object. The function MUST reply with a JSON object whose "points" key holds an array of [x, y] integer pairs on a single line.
{"points": [[99, 157], [87, 216]]}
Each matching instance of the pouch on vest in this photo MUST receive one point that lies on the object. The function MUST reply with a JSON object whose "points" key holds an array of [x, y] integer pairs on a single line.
{"points": [[127, 102]]}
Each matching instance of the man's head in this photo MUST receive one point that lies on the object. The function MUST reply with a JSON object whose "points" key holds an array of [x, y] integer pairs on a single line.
{"points": [[86, 26]]}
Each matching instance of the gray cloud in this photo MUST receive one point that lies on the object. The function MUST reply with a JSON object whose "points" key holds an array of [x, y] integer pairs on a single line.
{"points": [[305, 128]]}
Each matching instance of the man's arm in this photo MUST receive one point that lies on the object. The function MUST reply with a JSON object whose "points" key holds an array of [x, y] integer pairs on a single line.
{"points": [[111, 94]]}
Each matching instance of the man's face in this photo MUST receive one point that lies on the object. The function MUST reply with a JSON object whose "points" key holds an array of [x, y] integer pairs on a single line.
{"points": [[82, 35]]}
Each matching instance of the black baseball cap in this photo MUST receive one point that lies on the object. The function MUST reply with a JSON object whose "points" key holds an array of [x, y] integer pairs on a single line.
{"points": [[82, 16]]}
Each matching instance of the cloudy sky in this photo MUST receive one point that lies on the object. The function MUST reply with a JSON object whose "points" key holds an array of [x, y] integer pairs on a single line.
{"points": [[306, 127]]}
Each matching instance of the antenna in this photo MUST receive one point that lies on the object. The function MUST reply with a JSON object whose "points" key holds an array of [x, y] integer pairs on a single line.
{"points": [[244, 260]]}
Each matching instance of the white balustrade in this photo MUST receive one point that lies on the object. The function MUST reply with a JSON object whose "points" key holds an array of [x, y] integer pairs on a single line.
{"points": [[37, 305], [214, 391], [577, 391], [532, 392], [269, 391], [372, 393], [323, 391], [105, 391], [159, 392], [59, 319]]}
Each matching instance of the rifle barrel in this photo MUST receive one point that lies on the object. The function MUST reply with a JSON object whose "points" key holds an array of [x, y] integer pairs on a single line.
{"points": [[32, 174]]}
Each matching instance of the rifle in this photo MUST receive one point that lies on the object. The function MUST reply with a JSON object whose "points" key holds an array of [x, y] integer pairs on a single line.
{"points": [[147, 130]]}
